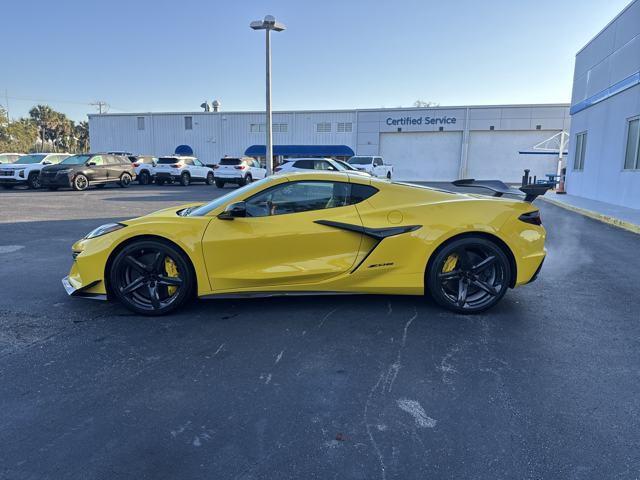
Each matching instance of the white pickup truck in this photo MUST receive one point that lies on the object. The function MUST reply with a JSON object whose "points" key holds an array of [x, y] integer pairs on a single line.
{"points": [[372, 165]]}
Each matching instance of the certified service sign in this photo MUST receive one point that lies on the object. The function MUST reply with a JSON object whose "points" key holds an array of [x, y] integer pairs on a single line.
{"points": [[408, 120]]}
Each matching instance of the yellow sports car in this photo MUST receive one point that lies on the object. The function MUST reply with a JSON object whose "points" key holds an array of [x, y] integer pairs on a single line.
{"points": [[318, 233]]}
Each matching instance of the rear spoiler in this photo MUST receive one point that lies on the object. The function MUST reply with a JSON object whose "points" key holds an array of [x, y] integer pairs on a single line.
{"points": [[499, 188]]}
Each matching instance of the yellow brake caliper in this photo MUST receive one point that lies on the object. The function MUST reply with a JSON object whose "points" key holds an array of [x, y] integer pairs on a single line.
{"points": [[450, 263], [172, 271]]}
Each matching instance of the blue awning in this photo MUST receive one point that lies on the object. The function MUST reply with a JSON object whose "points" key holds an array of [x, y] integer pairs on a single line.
{"points": [[301, 151]]}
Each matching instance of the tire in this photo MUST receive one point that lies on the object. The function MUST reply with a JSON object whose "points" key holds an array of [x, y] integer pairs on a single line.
{"points": [[185, 179], [101, 185], [209, 179], [469, 275], [140, 277], [388, 175], [219, 184], [125, 180], [159, 181], [144, 178], [34, 180], [248, 179], [80, 182]]}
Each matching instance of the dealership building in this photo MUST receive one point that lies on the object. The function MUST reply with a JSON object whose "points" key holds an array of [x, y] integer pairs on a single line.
{"points": [[429, 144], [604, 155]]}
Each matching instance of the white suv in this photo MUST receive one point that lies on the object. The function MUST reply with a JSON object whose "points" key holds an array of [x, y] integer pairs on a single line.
{"points": [[26, 170], [324, 164], [181, 169], [238, 170]]}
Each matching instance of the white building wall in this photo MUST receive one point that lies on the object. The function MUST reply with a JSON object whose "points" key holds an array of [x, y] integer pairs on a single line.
{"points": [[215, 135], [606, 94]]}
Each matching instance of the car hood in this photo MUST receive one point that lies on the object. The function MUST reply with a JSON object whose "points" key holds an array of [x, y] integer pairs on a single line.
{"points": [[171, 212], [11, 166], [55, 168]]}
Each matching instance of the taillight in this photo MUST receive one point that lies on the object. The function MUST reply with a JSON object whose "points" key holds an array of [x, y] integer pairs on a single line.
{"points": [[240, 167], [533, 218], [136, 164], [175, 165]]}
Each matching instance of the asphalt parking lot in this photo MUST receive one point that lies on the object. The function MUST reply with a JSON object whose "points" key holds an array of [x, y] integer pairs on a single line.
{"points": [[545, 385]]}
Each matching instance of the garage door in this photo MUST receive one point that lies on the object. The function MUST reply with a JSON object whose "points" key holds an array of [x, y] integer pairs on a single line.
{"points": [[426, 156], [494, 155]]}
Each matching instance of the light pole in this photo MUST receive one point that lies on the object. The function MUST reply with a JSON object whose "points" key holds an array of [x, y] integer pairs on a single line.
{"points": [[269, 23]]}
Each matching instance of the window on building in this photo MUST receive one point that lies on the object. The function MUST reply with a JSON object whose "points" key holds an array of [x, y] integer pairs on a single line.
{"points": [[256, 127], [280, 128], [345, 127], [323, 127], [632, 152], [581, 147], [188, 123], [140, 123]]}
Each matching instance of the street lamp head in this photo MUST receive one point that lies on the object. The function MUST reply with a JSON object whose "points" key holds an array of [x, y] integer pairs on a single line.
{"points": [[269, 23]]}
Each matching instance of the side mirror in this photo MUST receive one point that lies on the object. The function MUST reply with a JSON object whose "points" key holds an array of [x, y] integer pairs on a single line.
{"points": [[91, 164], [46, 162], [233, 210]]}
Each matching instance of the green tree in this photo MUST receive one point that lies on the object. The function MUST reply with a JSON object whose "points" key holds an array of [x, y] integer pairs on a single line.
{"points": [[82, 136]]}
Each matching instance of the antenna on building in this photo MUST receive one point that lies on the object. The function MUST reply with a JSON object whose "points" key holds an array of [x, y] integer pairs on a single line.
{"points": [[216, 105], [206, 106]]}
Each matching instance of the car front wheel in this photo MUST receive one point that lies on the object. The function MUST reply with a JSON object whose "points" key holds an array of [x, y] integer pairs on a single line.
{"points": [[151, 277], [34, 180], [80, 182], [125, 180], [209, 178], [144, 178], [469, 275]]}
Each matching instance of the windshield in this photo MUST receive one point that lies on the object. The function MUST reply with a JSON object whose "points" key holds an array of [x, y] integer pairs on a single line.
{"points": [[75, 160], [360, 160], [232, 195], [168, 160], [30, 159], [344, 164], [230, 161]]}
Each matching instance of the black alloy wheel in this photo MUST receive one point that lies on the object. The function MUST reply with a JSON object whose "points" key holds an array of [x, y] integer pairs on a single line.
{"points": [[125, 180], [80, 182], [469, 275], [34, 180], [151, 277], [185, 179], [144, 178], [210, 178]]}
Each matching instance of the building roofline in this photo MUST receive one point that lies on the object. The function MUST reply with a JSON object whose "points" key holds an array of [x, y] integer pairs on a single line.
{"points": [[607, 26], [352, 110]]}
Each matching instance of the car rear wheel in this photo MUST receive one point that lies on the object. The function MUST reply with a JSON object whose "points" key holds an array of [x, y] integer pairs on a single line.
{"points": [[34, 180], [469, 275], [125, 180], [144, 178], [185, 179], [151, 277], [388, 175], [219, 184], [209, 178], [80, 182]]}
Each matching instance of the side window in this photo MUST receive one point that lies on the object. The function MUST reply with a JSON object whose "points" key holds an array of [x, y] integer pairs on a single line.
{"points": [[188, 161], [55, 159], [306, 164], [296, 197], [323, 165], [360, 193], [197, 163], [377, 161], [98, 160]]}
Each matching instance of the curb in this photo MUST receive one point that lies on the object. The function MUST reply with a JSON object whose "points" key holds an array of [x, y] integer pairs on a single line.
{"points": [[616, 222]]}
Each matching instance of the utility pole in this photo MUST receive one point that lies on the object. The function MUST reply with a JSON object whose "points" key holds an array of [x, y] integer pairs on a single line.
{"points": [[6, 104], [101, 105]]}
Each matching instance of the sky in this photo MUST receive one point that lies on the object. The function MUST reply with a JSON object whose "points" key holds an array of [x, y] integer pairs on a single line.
{"points": [[154, 56]]}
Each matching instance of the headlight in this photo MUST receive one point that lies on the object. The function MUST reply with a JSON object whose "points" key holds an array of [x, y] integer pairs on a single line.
{"points": [[104, 229], [64, 170]]}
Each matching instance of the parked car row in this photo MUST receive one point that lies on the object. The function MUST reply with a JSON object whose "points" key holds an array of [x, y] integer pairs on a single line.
{"points": [[60, 170]]}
